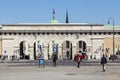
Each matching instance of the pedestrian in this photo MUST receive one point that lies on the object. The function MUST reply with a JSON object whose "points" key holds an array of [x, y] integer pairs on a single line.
{"points": [[54, 60], [103, 63], [90, 56], [78, 60]]}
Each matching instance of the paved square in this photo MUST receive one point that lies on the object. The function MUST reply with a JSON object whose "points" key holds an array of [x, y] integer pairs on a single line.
{"points": [[9, 71]]}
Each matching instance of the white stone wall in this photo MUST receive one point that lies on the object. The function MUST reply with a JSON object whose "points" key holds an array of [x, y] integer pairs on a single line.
{"points": [[51, 27], [11, 43]]}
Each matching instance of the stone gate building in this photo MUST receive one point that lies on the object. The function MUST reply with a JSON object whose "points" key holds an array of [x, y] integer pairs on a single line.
{"points": [[29, 41]]}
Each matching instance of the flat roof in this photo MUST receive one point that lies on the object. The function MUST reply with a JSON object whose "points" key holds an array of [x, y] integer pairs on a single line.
{"points": [[48, 24]]}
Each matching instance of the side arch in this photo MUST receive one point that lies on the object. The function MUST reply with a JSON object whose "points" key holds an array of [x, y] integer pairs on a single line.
{"points": [[81, 46], [24, 50]]}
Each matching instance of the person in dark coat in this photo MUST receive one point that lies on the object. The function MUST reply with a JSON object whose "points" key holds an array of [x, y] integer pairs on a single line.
{"points": [[78, 61], [103, 63], [54, 60]]}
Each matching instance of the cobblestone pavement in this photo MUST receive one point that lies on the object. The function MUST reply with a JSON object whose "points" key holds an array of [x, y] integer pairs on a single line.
{"points": [[8, 72]]}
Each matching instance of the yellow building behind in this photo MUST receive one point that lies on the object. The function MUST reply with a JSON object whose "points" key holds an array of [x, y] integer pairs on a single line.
{"points": [[108, 45]]}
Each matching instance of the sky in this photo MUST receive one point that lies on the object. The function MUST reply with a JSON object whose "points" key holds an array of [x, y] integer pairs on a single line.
{"points": [[40, 11]]}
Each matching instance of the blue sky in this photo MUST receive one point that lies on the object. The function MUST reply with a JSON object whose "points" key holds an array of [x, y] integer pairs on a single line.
{"points": [[40, 11]]}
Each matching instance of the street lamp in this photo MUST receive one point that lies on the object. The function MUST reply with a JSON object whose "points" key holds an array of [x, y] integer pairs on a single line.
{"points": [[91, 44], [113, 32]]}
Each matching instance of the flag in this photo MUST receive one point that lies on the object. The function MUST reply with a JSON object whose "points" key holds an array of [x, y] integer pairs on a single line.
{"points": [[55, 50], [40, 48]]}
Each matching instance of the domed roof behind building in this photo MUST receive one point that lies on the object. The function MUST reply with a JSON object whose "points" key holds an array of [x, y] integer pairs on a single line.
{"points": [[53, 21]]}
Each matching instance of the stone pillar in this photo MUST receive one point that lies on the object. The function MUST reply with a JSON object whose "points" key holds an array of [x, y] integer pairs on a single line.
{"points": [[73, 51], [45, 52], [60, 52], [31, 53]]}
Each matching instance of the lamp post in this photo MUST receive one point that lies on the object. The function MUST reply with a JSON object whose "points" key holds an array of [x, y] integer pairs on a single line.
{"points": [[113, 33], [91, 43]]}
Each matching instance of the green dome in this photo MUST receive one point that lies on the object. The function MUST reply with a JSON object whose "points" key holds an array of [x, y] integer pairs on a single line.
{"points": [[54, 21]]}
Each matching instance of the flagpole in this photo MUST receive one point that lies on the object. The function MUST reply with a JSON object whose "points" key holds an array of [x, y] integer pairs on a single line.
{"points": [[53, 14]]}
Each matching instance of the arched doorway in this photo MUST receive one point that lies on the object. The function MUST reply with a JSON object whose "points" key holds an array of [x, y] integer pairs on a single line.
{"points": [[67, 50], [81, 46], [24, 50], [52, 49], [38, 50]]}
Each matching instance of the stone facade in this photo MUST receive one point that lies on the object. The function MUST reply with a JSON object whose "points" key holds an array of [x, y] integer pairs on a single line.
{"points": [[28, 41]]}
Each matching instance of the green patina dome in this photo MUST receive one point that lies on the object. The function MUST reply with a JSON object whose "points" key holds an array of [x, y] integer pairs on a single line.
{"points": [[54, 21]]}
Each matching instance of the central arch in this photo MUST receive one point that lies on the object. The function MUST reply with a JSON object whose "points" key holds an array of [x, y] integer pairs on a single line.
{"points": [[67, 50]]}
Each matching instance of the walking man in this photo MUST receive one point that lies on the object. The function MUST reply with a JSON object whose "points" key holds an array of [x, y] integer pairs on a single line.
{"points": [[54, 60], [103, 63]]}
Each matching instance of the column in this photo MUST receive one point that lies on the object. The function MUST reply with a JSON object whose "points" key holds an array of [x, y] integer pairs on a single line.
{"points": [[74, 51], [31, 53], [45, 52], [60, 52]]}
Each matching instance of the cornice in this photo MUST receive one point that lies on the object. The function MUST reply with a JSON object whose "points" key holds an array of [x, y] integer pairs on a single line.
{"points": [[60, 24]]}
